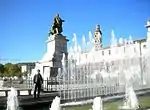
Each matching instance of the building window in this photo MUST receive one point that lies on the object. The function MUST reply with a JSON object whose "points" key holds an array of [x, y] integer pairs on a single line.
{"points": [[144, 46], [109, 52], [102, 53], [134, 50], [124, 49]]}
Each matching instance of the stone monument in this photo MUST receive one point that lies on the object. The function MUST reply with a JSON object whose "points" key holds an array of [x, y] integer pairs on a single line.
{"points": [[56, 47]]}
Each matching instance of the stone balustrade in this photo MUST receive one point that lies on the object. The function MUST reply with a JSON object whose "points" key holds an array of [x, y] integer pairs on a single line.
{"points": [[4, 92]]}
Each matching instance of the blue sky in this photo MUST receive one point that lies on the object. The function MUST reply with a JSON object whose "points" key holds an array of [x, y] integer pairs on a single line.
{"points": [[24, 24]]}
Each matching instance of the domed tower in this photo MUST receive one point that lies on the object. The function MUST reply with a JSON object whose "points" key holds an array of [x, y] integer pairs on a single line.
{"points": [[98, 38], [148, 28]]}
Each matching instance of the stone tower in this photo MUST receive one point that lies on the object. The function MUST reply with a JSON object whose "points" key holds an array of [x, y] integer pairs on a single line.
{"points": [[98, 38], [148, 28]]}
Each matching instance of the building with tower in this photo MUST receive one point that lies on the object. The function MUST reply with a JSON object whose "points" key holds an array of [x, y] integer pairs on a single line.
{"points": [[119, 48]]}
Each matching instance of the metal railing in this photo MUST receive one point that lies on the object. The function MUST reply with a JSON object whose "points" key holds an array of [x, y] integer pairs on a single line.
{"points": [[77, 82]]}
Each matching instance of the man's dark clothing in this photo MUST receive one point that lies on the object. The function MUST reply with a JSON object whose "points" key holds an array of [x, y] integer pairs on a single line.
{"points": [[38, 81]]}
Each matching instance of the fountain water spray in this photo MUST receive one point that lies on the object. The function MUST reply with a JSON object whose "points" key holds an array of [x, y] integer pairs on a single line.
{"points": [[83, 43], [131, 101], [12, 100], [113, 39], [97, 104], [55, 104], [119, 65]]}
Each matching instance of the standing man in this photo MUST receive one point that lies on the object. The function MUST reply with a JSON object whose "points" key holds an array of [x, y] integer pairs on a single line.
{"points": [[38, 81]]}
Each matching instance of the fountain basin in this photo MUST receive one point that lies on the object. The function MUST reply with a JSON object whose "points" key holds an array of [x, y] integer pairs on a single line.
{"points": [[27, 101], [127, 108]]}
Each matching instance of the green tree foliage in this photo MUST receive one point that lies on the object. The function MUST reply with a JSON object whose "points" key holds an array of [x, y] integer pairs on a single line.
{"points": [[2, 69], [10, 69]]}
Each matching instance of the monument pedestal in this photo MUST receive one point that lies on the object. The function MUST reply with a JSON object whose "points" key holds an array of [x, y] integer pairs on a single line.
{"points": [[51, 61]]}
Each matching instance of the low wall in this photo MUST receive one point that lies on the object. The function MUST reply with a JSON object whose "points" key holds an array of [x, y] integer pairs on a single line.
{"points": [[5, 92], [112, 96], [115, 97]]}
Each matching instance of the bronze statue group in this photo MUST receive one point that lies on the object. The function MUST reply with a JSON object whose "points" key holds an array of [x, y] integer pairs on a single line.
{"points": [[56, 26]]}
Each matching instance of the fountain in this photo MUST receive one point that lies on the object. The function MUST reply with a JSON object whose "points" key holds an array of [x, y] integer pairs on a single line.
{"points": [[55, 104], [114, 66], [97, 104], [131, 75], [131, 101], [12, 100]]}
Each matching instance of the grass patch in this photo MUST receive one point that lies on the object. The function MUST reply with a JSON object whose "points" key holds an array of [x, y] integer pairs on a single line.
{"points": [[144, 101]]}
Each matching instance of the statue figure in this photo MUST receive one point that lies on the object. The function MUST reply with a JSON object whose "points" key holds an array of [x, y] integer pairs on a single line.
{"points": [[56, 26]]}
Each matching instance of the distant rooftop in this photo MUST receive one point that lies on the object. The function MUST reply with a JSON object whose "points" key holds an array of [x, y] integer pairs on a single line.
{"points": [[27, 63], [138, 41]]}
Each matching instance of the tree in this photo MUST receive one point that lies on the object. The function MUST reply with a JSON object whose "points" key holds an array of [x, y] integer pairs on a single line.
{"points": [[2, 69], [16, 70], [12, 69], [25, 73], [8, 68]]}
